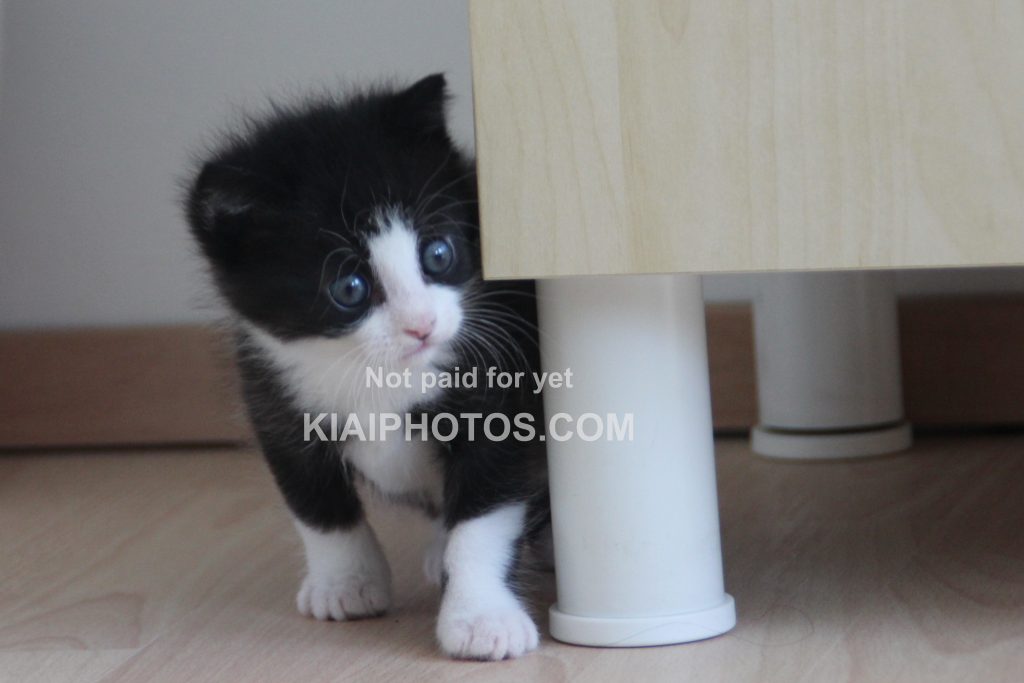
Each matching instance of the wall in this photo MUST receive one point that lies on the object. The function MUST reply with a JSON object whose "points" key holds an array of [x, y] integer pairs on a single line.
{"points": [[906, 282], [102, 102], [2, 2]]}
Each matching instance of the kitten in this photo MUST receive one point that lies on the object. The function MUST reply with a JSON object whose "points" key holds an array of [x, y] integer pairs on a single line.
{"points": [[343, 235]]}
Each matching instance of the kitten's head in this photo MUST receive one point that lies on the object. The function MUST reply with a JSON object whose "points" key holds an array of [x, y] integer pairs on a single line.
{"points": [[350, 219]]}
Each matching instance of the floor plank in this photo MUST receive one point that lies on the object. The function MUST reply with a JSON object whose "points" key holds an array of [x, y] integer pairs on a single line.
{"points": [[174, 566]]}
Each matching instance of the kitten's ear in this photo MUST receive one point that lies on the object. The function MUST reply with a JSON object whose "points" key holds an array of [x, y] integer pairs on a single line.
{"points": [[420, 108], [224, 205]]}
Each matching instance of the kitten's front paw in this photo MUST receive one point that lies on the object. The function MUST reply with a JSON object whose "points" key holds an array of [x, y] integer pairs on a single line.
{"points": [[488, 634], [353, 598]]}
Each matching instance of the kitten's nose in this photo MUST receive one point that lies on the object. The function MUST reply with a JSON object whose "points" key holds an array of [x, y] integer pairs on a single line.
{"points": [[421, 330]]}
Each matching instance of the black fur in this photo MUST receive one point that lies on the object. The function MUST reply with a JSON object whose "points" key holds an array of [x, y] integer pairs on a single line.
{"points": [[268, 206], [274, 209]]}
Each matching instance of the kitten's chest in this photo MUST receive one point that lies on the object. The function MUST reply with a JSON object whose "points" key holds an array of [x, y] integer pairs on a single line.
{"points": [[398, 464], [398, 468], [394, 465], [323, 379]]}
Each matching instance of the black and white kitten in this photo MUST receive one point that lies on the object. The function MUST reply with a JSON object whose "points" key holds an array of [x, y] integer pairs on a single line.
{"points": [[344, 235]]}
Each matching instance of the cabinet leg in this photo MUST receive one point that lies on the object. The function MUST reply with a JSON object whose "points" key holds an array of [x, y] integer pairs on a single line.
{"points": [[635, 521], [828, 367]]}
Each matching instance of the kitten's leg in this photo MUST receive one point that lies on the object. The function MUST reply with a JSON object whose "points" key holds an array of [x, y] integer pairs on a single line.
{"points": [[481, 617], [347, 575]]}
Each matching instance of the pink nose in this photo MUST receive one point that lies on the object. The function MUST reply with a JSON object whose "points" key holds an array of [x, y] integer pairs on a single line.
{"points": [[420, 330]]}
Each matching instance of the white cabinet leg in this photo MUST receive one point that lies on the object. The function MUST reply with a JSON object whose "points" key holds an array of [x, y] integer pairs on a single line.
{"points": [[828, 366], [637, 549]]}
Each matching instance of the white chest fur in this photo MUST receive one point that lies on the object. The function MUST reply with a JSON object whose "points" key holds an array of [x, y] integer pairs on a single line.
{"points": [[329, 376]]}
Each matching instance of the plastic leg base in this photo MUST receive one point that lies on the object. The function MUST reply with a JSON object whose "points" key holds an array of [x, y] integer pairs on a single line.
{"points": [[643, 631], [797, 445]]}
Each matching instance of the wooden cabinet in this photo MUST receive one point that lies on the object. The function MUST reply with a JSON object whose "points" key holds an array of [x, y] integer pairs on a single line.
{"points": [[731, 135], [638, 137]]}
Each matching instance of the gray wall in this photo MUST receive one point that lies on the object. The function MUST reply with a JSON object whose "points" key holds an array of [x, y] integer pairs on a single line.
{"points": [[102, 101], [906, 283], [2, 3]]}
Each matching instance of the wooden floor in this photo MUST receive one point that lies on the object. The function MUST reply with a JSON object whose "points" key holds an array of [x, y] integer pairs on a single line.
{"points": [[182, 566]]}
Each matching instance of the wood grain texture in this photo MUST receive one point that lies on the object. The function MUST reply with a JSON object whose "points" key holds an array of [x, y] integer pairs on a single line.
{"points": [[731, 364], [722, 135], [963, 366], [182, 566], [109, 386], [963, 361]]}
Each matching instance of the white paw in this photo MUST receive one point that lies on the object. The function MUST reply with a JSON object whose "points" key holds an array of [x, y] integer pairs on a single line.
{"points": [[488, 634], [353, 598]]}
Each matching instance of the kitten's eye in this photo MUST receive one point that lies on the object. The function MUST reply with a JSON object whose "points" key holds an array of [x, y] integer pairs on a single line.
{"points": [[349, 292], [438, 256]]}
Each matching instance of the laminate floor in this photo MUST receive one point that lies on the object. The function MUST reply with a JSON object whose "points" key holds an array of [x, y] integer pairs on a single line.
{"points": [[182, 566]]}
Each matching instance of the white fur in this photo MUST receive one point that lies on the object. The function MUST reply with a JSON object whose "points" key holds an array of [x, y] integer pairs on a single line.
{"points": [[411, 301], [481, 618], [347, 574], [399, 468], [329, 375]]}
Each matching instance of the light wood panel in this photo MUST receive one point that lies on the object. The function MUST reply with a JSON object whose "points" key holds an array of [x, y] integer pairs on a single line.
{"points": [[724, 135], [963, 366], [182, 566], [963, 361], [96, 387], [731, 364]]}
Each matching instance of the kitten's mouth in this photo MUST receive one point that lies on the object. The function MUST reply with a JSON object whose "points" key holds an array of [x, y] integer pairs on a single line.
{"points": [[417, 351]]}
